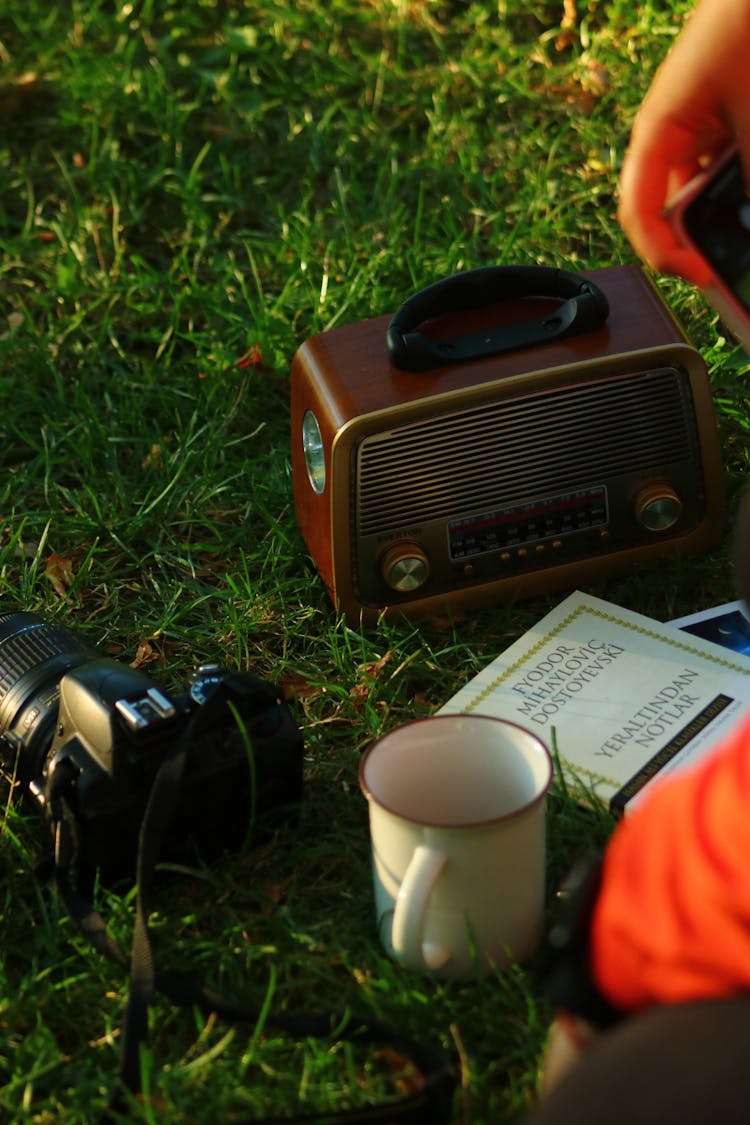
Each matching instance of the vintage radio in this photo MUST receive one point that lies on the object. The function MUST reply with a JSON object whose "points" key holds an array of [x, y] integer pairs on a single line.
{"points": [[435, 472]]}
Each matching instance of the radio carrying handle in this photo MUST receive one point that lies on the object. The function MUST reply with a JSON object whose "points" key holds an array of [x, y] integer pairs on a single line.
{"points": [[584, 307]]}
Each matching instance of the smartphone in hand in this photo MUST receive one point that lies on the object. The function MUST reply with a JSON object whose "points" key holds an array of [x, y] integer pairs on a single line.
{"points": [[712, 215]]}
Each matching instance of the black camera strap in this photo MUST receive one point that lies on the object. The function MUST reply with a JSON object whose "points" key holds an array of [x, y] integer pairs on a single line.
{"points": [[434, 1082]]}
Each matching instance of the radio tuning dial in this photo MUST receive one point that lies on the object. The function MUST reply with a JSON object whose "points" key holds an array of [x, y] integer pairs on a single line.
{"points": [[658, 507], [405, 567]]}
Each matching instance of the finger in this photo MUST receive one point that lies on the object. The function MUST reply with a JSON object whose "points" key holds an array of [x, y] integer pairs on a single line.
{"points": [[741, 123], [641, 215], [659, 162]]}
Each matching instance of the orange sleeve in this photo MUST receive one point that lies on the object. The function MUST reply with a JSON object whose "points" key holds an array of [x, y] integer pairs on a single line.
{"points": [[672, 919]]}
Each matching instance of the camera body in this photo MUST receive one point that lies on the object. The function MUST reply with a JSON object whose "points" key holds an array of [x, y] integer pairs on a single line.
{"points": [[712, 215], [107, 728]]}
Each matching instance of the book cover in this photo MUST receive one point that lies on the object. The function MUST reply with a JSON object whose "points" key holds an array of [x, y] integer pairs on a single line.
{"points": [[620, 696], [727, 625]]}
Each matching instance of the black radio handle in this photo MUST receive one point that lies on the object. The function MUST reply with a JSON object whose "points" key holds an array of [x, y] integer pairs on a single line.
{"points": [[584, 308]]}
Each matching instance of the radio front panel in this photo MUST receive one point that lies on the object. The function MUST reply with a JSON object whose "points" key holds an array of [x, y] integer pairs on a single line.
{"points": [[517, 485], [519, 525]]}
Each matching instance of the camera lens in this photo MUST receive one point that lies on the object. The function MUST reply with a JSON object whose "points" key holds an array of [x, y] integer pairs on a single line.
{"points": [[34, 656]]}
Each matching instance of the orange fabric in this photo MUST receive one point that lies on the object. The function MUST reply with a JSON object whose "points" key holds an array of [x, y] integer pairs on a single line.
{"points": [[672, 920]]}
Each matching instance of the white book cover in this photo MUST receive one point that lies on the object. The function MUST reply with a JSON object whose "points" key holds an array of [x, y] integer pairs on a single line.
{"points": [[620, 696]]}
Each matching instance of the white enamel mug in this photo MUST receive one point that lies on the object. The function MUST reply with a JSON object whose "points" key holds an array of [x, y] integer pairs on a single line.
{"points": [[457, 824]]}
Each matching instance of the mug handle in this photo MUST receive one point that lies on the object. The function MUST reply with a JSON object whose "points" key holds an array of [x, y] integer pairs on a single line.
{"points": [[407, 933]]}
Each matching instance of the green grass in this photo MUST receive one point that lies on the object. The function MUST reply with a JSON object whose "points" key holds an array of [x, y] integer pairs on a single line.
{"points": [[188, 190]]}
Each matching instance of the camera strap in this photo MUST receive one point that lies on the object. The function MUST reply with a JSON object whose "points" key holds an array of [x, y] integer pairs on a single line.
{"points": [[432, 1073]]}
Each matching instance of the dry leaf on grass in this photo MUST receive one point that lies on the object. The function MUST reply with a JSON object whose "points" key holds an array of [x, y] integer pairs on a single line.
{"points": [[368, 673], [406, 1076], [145, 654], [295, 686], [59, 571]]}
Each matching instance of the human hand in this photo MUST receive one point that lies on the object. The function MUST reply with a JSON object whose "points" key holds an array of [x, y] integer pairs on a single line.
{"points": [[698, 102], [568, 1038]]}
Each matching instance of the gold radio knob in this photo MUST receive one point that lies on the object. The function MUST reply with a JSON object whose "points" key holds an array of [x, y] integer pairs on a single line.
{"points": [[405, 567], [657, 506]]}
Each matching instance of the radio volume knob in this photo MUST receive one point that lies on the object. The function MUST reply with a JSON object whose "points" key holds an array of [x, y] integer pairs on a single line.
{"points": [[657, 506], [405, 567]]}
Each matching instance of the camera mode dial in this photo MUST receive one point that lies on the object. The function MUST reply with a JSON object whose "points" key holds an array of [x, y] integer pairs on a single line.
{"points": [[203, 682]]}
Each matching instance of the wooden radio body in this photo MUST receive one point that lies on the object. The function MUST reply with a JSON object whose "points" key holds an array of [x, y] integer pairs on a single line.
{"points": [[505, 477]]}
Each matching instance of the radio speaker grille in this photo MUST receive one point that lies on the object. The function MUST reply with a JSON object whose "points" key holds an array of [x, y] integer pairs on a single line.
{"points": [[505, 451]]}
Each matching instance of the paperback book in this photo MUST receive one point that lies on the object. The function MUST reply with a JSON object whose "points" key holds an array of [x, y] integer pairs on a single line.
{"points": [[619, 697]]}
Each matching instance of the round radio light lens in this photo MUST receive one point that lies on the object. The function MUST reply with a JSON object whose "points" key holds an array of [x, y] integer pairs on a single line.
{"points": [[312, 445]]}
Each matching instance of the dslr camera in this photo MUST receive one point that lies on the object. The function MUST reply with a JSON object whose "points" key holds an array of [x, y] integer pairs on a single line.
{"points": [[86, 732]]}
